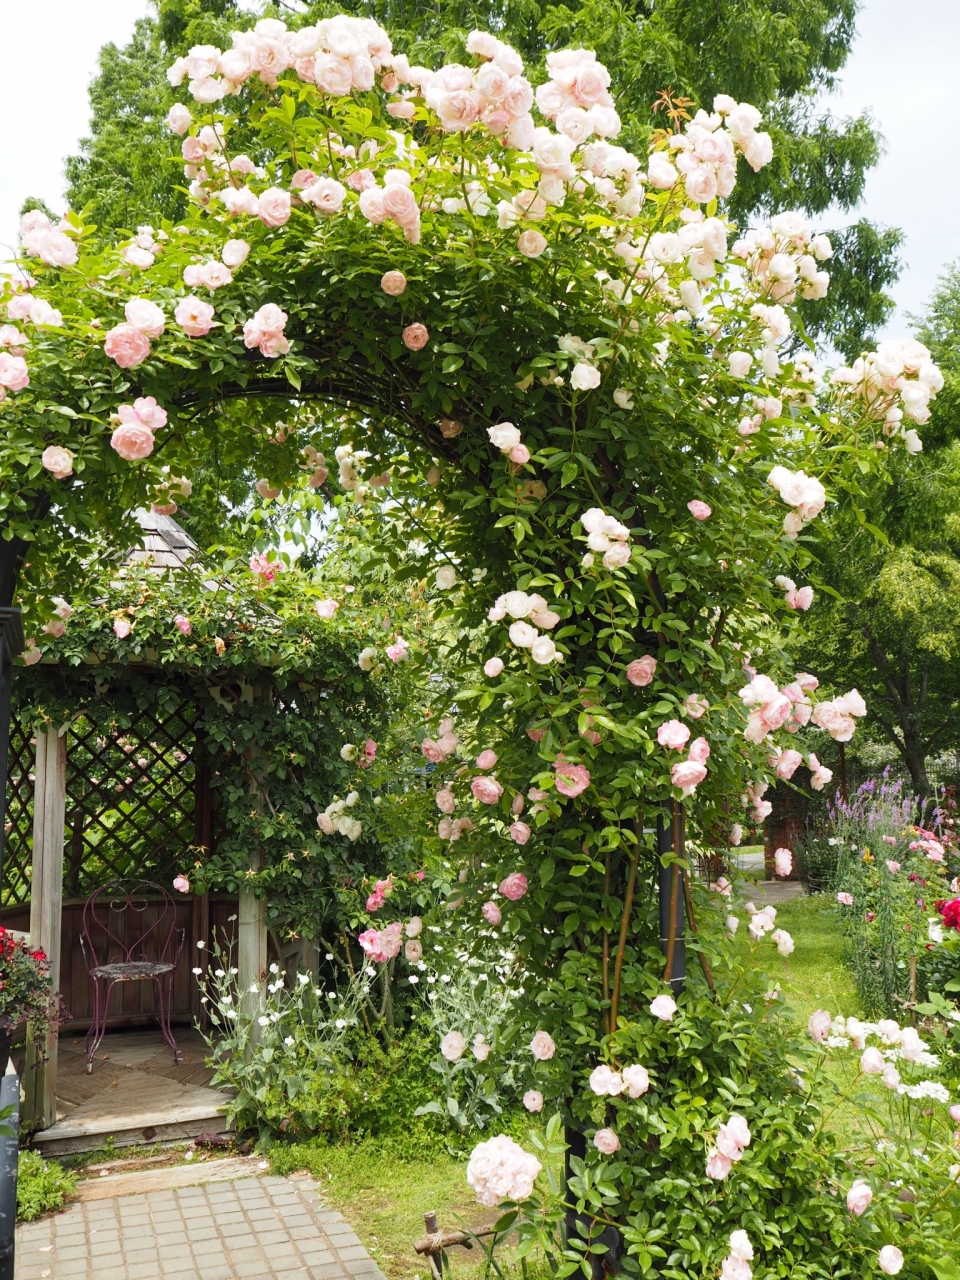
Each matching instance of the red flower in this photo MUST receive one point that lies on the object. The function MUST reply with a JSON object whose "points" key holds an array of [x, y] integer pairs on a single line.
{"points": [[950, 912]]}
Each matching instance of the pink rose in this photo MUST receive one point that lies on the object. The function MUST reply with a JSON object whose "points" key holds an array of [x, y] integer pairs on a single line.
{"points": [[687, 774], [58, 461], [398, 651], [514, 886], [393, 283], [194, 316], [783, 862], [234, 253], [845, 899], [892, 867], [121, 628], [273, 207], [699, 751], [432, 751], [859, 1197], [699, 510], [486, 759], [145, 316], [872, 1062], [542, 1046], [531, 243], [132, 442], [788, 763], [718, 1166], [641, 671], [890, 1259], [636, 1081], [673, 734], [326, 608], [663, 1007], [486, 790], [181, 884], [492, 667], [571, 779], [415, 336], [491, 913], [606, 1141], [533, 1100], [413, 951], [818, 1025], [695, 706], [126, 345], [519, 454], [519, 832], [446, 801], [183, 624]]}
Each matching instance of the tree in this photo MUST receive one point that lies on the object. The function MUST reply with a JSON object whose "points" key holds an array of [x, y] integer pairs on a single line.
{"points": [[779, 57], [574, 413], [891, 622]]}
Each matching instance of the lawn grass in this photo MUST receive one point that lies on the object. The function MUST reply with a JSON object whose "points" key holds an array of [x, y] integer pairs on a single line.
{"points": [[384, 1199], [815, 976]]}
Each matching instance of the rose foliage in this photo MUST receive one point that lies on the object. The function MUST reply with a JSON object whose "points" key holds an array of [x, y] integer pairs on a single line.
{"points": [[564, 381]]}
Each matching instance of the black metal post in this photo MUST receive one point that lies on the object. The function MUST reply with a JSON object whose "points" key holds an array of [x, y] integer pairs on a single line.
{"points": [[9, 1147], [666, 877], [11, 644]]}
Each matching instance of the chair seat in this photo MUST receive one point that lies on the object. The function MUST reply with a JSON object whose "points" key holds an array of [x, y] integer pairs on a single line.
{"points": [[131, 970]]}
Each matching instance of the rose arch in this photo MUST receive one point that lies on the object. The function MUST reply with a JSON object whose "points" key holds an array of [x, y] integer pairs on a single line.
{"points": [[557, 367]]}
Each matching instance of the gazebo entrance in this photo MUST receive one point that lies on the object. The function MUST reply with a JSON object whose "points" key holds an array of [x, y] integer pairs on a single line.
{"points": [[88, 805]]}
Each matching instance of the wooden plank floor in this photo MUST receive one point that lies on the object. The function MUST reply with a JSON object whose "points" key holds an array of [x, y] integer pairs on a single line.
{"points": [[135, 1093]]}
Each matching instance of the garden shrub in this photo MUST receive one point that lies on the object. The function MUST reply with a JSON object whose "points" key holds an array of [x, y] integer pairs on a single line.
{"points": [[42, 1185]]}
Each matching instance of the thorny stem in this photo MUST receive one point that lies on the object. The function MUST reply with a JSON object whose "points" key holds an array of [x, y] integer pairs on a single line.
{"points": [[606, 939]]}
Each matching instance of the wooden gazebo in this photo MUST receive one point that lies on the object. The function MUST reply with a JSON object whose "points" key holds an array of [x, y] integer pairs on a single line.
{"points": [[88, 803]]}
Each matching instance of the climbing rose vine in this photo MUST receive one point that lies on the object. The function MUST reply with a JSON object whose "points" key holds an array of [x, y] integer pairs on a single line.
{"points": [[564, 391]]}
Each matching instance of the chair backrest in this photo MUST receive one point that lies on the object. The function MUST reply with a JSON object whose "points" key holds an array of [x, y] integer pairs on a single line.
{"points": [[130, 920]]}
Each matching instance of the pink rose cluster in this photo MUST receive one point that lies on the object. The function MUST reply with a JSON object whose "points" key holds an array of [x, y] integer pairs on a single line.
{"points": [[839, 715], [576, 97], [381, 945], [500, 1169], [495, 94], [928, 844], [898, 380], [633, 1080], [802, 492], [772, 708], [445, 745], [395, 202], [133, 438], [41, 239], [784, 259], [607, 537], [399, 651], [265, 330], [525, 635], [733, 1138], [339, 55], [24, 306], [706, 152], [685, 774], [506, 437], [128, 344], [381, 890], [795, 597], [736, 1265]]}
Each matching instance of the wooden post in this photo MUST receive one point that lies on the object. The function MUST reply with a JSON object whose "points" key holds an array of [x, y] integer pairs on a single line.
{"points": [[251, 950], [46, 899]]}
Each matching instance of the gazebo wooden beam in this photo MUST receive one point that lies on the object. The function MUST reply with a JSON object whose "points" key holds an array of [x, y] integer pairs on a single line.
{"points": [[46, 900]]}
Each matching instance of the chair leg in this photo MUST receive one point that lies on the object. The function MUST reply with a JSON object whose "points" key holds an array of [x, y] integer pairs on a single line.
{"points": [[99, 1025], [164, 997]]}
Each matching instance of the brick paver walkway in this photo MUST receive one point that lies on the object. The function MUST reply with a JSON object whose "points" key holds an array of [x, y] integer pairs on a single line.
{"points": [[269, 1228]]}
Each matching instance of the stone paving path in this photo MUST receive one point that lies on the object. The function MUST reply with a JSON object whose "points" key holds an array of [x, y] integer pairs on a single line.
{"points": [[265, 1227]]}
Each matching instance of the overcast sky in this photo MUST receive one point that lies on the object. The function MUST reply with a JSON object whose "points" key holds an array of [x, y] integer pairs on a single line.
{"points": [[902, 69]]}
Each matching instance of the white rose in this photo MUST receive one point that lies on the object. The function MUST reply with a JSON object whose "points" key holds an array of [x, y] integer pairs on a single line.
{"points": [[584, 377], [504, 435]]}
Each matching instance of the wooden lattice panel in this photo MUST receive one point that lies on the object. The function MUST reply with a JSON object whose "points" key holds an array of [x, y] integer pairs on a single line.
{"points": [[18, 841], [130, 798]]}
